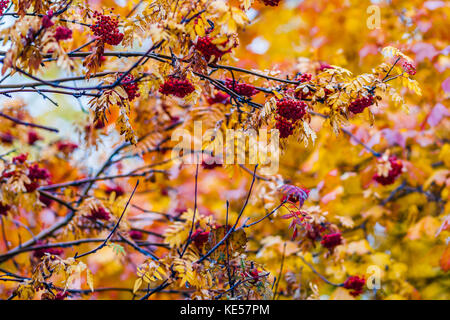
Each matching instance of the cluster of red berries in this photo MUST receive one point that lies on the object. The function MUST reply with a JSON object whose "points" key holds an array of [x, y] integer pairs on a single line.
{"points": [[6, 137], [304, 77], [178, 87], [356, 284], [291, 109], [63, 33], [219, 97], [242, 89], [304, 92], [271, 3], [99, 213], [45, 200], [47, 19], [332, 240], [60, 295], [324, 66], [209, 49], [358, 105], [4, 208], [39, 253], [35, 174], [106, 29], [394, 172], [66, 147], [254, 274], [130, 87], [409, 68], [199, 237], [117, 189], [3, 6], [136, 235], [284, 126], [33, 137]]}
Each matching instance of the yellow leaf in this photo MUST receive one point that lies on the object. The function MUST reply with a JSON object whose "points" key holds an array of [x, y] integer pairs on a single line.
{"points": [[137, 285]]}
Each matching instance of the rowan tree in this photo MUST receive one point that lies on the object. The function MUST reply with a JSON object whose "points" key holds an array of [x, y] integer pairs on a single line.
{"points": [[94, 204]]}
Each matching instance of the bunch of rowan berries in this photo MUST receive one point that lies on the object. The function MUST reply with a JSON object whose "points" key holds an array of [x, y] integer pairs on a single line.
{"points": [[242, 89], [355, 284], [409, 68], [106, 29], [35, 174], [218, 97], [39, 253], [99, 213], [199, 237], [395, 170], [179, 87], [66, 147], [47, 19], [358, 105], [332, 240], [118, 190], [291, 109], [303, 92], [63, 33], [136, 234], [284, 126], [3, 6], [4, 208], [131, 88], [208, 49], [271, 3], [33, 137]]}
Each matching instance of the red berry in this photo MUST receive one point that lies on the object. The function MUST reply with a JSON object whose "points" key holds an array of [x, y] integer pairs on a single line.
{"points": [[356, 284], [330, 241], [358, 105], [178, 87], [242, 89], [136, 235], [33, 137], [394, 172]]}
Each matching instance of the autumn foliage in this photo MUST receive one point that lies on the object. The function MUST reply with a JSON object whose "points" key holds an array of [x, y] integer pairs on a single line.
{"points": [[97, 202]]}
